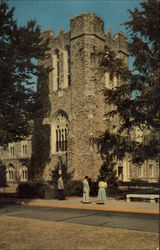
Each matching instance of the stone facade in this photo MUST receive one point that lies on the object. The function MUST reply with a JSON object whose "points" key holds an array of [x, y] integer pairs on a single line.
{"points": [[77, 102], [75, 93], [15, 157]]}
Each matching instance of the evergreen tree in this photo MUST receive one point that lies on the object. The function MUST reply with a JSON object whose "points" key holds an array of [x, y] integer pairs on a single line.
{"points": [[41, 132], [3, 180], [108, 172], [20, 48], [136, 100]]}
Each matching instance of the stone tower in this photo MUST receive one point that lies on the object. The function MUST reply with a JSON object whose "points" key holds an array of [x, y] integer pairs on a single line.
{"points": [[77, 104]]}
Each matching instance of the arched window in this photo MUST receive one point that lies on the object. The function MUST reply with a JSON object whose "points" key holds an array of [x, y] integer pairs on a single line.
{"points": [[59, 132], [24, 173], [11, 172]]}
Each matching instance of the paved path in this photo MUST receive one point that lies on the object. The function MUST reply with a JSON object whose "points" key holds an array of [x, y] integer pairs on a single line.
{"points": [[111, 205], [123, 220]]}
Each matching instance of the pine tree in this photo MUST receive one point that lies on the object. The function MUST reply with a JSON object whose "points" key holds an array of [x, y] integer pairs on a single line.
{"points": [[20, 48], [3, 180], [137, 98]]}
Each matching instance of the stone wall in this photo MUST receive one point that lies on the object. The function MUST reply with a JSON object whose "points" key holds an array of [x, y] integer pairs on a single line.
{"points": [[17, 160], [82, 100]]}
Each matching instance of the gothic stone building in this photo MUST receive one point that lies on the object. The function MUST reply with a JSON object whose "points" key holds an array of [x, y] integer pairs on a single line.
{"points": [[16, 158], [77, 102]]}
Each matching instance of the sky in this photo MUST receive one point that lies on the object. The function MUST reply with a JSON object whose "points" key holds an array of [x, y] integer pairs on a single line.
{"points": [[55, 14]]}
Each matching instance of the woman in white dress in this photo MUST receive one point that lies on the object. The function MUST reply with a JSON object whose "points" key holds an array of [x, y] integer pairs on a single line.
{"points": [[102, 185]]}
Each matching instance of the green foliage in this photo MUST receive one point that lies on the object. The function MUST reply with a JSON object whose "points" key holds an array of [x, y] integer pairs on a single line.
{"points": [[32, 190], [107, 171], [20, 48], [136, 99], [40, 153], [41, 133], [74, 188], [3, 180]]}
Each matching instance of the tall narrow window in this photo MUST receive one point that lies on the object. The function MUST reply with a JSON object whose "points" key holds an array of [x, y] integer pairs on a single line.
{"points": [[24, 150], [24, 173], [65, 140], [11, 172], [128, 165], [62, 140], [139, 171], [59, 139], [12, 151], [69, 67], [57, 147], [58, 70], [150, 171], [108, 83], [115, 82], [66, 67], [54, 72]]}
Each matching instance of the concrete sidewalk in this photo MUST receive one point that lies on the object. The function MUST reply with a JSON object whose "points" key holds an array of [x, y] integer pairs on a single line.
{"points": [[111, 204]]}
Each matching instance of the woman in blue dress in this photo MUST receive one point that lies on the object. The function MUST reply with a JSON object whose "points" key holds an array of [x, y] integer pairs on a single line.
{"points": [[102, 185]]}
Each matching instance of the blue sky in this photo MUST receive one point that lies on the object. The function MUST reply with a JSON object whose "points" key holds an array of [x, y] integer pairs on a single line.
{"points": [[56, 14]]}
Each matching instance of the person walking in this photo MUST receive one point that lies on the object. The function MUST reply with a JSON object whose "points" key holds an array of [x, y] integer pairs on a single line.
{"points": [[102, 185], [61, 195], [86, 190]]}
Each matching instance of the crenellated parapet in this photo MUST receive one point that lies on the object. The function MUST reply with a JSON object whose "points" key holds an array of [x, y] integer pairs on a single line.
{"points": [[118, 43], [91, 25], [87, 24]]}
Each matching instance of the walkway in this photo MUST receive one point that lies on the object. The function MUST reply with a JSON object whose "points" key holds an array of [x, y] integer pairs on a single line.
{"points": [[112, 204]]}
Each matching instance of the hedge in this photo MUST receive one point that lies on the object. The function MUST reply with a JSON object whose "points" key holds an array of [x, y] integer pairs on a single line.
{"points": [[32, 190]]}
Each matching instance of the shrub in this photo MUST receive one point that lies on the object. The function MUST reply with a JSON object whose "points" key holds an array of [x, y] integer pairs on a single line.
{"points": [[139, 183], [93, 188], [108, 172], [3, 181], [74, 188], [32, 189]]}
